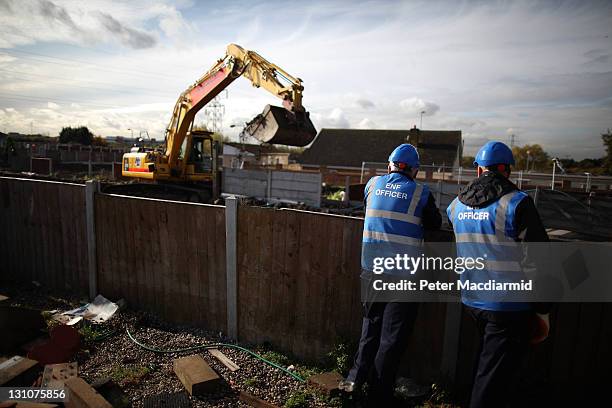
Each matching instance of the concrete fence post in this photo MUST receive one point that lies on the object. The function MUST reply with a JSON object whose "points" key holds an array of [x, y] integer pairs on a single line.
{"points": [[269, 185], [91, 188], [231, 256]]}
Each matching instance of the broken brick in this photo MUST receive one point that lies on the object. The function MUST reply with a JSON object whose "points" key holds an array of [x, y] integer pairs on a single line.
{"points": [[326, 382], [55, 375]]}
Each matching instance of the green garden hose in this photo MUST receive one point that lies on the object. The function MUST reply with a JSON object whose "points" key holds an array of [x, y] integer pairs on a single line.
{"points": [[215, 345]]}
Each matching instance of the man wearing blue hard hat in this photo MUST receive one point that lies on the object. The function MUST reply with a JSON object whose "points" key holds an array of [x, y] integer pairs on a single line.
{"points": [[489, 216], [398, 209]]}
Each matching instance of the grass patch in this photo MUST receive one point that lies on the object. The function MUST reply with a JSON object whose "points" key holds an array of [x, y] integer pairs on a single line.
{"points": [[251, 382], [298, 399], [276, 357], [90, 333], [307, 371], [126, 375]]}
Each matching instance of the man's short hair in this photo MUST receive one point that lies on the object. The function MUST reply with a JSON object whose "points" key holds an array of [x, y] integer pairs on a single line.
{"points": [[396, 167]]}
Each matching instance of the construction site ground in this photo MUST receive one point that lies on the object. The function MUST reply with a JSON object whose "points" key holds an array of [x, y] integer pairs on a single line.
{"points": [[107, 353]]}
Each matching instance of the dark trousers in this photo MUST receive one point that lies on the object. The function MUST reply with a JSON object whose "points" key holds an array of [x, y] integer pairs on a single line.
{"points": [[504, 343], [384, 333]]}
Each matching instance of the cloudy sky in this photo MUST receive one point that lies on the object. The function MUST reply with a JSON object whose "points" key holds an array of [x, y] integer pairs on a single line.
{"points": [[539, 70]]}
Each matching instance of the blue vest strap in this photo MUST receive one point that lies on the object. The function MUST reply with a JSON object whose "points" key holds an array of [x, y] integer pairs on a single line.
{"points": [[399, 239]]}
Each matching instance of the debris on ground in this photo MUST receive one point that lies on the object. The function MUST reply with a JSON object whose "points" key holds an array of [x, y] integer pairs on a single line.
{"points": [[225, 360], [326, 382], [99, 311], [55, 375], [254, 401], [64, 342], [197, 376], [83, 395], [125, 374], [17, 369]]}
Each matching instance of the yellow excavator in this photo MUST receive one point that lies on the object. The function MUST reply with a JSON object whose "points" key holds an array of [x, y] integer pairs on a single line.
{"points": [[187, 162]]}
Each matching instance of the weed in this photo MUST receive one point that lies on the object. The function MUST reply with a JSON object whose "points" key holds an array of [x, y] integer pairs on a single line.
{"points": [[276, 358], [307, 371], [124, 375], [90, 333], [251, 382], [341, 356], [298, 399]]}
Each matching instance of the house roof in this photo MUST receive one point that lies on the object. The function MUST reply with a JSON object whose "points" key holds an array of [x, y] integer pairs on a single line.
{"points": [[351, 147]]}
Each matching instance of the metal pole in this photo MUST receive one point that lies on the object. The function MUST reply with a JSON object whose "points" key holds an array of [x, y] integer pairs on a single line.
{"points": [[520, 180], [362, 170], [552, 187], [587, 187]]}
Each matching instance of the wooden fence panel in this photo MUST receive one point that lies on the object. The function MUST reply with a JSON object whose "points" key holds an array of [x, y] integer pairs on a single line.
{"points": [[162, 256], [43, 233], [297, 286]]}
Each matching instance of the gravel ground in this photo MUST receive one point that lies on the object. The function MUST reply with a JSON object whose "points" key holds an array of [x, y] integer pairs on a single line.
{"points": [[151, 373]]}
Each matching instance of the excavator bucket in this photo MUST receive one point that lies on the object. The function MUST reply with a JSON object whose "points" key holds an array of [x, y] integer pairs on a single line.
{"points": [[276, 125]]}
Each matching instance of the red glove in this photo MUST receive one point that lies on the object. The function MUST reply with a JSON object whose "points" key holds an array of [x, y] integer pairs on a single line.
{"points": [[541, 328]]}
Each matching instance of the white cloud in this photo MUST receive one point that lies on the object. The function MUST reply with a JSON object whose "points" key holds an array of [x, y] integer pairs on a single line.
{"points": [[335, 119], [366, 123], [416, 106], [52, 105]]}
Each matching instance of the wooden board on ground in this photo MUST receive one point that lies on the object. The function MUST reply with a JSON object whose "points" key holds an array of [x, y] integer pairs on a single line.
{"points": [[196, 375], [82, 395], [223, 359], [55, 375], [15, 371], [254, 401]]}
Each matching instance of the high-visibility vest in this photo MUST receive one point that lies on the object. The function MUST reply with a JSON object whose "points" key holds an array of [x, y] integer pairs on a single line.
{"points": [[489, 233], [392, 225]]}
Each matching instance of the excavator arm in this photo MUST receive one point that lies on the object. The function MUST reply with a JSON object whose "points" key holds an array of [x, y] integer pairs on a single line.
{"points": [[289, 125]]}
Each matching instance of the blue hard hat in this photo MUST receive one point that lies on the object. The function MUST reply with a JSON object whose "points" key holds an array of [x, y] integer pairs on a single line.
{"points": [[405, 153], [494, 152]]}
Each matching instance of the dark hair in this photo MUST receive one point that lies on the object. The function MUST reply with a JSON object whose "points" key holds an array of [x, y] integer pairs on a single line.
{"points": [[498, 168]]}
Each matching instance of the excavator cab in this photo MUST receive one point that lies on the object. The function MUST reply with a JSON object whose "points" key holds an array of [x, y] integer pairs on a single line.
{"points": [[201, 151], [278, 125]]}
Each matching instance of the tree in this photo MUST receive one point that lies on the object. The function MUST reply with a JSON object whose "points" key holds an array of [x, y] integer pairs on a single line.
{"points": [[467, 162], [533, 155], [607, 141], [81, 135], [99, 141]]}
